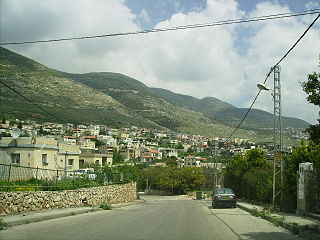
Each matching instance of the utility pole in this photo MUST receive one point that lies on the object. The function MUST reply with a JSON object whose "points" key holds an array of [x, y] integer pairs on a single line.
{"points": [[215, 167], [65, 164], [277, 137]]}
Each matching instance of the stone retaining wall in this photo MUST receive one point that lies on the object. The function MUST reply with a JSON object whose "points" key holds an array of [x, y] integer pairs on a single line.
{"points": [[13, 202]]}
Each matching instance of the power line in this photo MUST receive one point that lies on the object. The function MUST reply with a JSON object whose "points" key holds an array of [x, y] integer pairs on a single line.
{"points": [[29, 100], [269, 73], [219, 23]]}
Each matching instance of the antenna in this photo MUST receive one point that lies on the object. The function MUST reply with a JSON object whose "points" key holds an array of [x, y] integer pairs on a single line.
{"points": [[15, 133]]}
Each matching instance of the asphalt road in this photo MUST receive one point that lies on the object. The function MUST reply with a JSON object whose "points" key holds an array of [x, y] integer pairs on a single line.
{"points": [[158, 218]]}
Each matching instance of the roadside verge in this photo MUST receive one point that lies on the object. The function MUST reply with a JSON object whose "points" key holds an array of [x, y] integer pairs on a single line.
{"points": [[29, 217], [304, 227]]}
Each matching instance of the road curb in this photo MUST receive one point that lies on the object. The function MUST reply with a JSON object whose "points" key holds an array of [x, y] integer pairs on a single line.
{"points": [[295, 229], [24, 218]]}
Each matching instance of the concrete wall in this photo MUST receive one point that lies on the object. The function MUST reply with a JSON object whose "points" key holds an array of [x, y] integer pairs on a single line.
{"points": [[13, 202]]}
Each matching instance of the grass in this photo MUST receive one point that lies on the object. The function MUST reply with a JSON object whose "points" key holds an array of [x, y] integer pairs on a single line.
{"points": [[266, 214], [106, 206], [3, 225]]}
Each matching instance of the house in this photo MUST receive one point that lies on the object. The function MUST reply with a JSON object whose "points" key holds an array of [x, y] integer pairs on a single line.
{"points": [[168, 152], [39, 152], [191, 161], [87, 142], [148, 155], [29, 152], [71, 140]]}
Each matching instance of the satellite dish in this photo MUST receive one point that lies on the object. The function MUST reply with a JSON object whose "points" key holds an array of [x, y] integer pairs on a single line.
{"points": [[15, 133]]}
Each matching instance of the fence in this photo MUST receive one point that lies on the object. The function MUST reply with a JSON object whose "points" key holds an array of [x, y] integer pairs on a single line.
{"points": [[21, 178], [313, 192]]}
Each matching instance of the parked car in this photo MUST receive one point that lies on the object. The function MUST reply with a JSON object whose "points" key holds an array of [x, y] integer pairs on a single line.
{"points": [[224, 197], [82, 173]]}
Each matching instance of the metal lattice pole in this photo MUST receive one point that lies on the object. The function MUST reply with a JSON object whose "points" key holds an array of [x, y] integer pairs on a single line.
{"points": [[277, 137]]}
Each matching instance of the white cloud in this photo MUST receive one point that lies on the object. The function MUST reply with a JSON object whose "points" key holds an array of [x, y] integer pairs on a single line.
{"points": [[144, 16], [225, 62], [312, 5]]}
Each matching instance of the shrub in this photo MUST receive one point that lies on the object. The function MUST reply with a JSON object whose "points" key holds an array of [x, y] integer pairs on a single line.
{"points": [[2, 224], [106, 206]]}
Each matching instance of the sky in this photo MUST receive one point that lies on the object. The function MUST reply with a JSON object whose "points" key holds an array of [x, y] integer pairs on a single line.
{"points": [[226, 62]]}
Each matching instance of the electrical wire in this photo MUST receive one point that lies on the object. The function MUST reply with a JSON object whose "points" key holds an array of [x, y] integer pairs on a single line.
{"points": [[219, 23], [269, 73], [29, 100]]}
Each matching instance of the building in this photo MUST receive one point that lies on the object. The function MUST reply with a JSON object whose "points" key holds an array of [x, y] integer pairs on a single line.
{"points": [[39, 152], [150, 155]]}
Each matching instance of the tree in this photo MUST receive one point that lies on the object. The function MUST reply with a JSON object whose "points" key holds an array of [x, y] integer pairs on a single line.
{"points": [[98, 143], [171, 162], [312, 88], [20, 125], [180, 146], [192, 178], [3, 119], [117, 157], [300, 154], [242, 175]]}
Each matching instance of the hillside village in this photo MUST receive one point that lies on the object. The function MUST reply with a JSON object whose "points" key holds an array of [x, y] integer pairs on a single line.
{"points": [[70, 147]]}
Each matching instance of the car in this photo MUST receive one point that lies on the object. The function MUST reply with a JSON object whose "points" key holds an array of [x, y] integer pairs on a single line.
{"points": [[81, 173], [224, 197]]}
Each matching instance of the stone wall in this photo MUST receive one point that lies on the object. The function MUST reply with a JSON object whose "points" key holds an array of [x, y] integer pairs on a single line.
{"points": [[13, 202]]}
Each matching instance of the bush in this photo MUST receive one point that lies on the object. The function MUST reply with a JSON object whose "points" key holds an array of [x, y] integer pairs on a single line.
{"points": [[2, 224], [105, 206]]}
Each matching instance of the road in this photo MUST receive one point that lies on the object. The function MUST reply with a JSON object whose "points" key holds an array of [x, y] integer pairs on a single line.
{"points": [[159, 218]]}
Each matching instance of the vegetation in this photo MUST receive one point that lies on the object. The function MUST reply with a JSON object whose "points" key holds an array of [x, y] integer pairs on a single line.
{"points": [[174, 180], [250, 176], [112, 99], [106, 206], [312, 88], [3, 225], [303, 153], [46, 185]]}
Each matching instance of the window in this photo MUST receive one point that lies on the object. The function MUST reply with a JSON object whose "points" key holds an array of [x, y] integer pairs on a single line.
{"points": [[15, 158], [81, 163], [45, 159], [70, 161], [97, 161]]}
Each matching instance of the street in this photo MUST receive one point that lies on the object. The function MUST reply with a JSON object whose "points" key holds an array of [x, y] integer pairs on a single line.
{"points": [[160, 217]]}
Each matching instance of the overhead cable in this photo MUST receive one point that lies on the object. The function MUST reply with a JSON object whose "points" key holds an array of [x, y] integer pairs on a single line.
{"points": [[269, 73], [29, 100], [212, 24]]}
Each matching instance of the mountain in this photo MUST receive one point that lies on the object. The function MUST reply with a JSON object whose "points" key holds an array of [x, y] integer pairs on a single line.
{"points": [[68, 100], [145, 102], [103, 98], [118, 100]]}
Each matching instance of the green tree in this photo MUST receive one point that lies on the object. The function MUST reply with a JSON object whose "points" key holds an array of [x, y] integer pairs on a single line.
{"points": [[171, 162], [98, 143], [300, 154], [170, 178], [242, 174], [3, 118], [192, 178], [117, 157], [180, 146], [20, 125], [312, 89]]}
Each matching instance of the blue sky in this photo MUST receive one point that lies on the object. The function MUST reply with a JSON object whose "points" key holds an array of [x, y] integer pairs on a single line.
{"points": [[161, 10], [225, 62]]}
